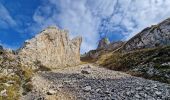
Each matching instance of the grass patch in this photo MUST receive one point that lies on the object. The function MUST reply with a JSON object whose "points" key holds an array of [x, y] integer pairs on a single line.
{"points": [[12, 90], [143, 59]]}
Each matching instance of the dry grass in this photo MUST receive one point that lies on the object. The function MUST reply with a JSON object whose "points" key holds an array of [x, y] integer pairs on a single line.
{"points": [[128, 61]]}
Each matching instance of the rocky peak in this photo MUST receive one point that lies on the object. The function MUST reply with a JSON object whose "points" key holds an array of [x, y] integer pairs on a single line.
{"points": [[53, 48], [1, 47], [103, 43], [156, 35]]}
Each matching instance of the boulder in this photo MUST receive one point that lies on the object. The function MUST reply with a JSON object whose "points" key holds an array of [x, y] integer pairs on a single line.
{"points": [[52, 48]]}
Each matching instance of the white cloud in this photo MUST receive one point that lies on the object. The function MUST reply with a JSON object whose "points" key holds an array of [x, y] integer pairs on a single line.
{"points": [[85, 17], [5, 18]]}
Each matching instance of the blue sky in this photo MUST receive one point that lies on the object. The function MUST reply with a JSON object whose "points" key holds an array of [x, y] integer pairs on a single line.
{"points": [[92, 19]]}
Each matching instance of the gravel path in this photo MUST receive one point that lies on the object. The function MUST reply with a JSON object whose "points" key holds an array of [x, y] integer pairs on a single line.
{"points": [[88, 82]]}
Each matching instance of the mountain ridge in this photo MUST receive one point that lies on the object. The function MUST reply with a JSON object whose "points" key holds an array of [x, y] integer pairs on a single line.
{"points": [[52, 59]]}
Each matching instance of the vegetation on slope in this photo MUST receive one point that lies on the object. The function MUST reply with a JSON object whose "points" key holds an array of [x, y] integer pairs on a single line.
{"points": [[13, 76], [153, 63]]}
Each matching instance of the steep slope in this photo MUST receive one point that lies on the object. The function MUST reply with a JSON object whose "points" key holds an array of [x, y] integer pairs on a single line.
{"points": [[104, 47], [52, 48], [14, 78], [151, 63], [145, 55], [154, 36]]}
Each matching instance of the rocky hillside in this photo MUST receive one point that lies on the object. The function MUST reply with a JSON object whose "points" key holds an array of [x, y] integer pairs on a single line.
{"points": [[104, 46], [14, 78], [51, 48], [91, 82], [154, 36], [151, 63], [145, 55], [45, 68]]}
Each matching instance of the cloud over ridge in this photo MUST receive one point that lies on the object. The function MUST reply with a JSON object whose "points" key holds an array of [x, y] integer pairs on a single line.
{"points": [[93, 19]]}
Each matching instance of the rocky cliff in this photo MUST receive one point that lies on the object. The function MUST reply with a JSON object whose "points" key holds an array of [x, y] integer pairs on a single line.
{"points": [[104, 47], [147, 54], [52, 48], [156, 35], [103, 43]]}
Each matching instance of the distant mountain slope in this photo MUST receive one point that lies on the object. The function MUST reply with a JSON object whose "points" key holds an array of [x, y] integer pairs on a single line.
{"points": [[152, 63], [103, 48], [147, 54], [154, 36]]}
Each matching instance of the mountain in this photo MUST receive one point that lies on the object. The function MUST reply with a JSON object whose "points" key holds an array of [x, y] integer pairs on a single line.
{"points": [[154, 36], [51, 48], [48, 67], [147, 54], [103, 43], [104, 46]]}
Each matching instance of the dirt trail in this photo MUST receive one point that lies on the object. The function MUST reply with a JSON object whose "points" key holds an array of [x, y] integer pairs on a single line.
{"points": [[90, 82]]}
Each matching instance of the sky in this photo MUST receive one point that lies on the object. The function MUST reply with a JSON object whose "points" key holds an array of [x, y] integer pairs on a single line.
{"points": [[92, 19]]}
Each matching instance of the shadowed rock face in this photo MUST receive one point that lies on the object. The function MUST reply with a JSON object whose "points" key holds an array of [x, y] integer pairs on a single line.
{"points": [[103, 43], [1, 48], [52, 48], [156, 35]]}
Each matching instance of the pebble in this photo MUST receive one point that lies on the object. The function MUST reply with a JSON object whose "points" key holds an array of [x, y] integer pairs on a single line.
{"points": [[158, 93], [3, 93], [147, 88], [85, 72], [7, 85], [107, 92], [139, 88], [137, 96], [87, 88], [51, 92], [128, 93], [98, 90], [11, 82]]}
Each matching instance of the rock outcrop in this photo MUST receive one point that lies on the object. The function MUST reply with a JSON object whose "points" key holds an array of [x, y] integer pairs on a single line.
{"points": [[104, 47], [103, 43], [114, 45], [156, 35], [52, 48], [1, 48]]}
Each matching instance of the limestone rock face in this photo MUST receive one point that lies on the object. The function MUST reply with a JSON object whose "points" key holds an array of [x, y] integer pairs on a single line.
{"points": [[156, 35], [104, 47], [103, 43], [115, 45], [52, 48], [1, 48]]}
